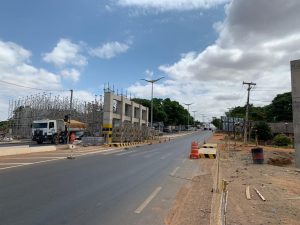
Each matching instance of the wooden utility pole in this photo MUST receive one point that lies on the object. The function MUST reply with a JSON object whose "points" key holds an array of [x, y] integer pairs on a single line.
{"points": [[250, 84]]}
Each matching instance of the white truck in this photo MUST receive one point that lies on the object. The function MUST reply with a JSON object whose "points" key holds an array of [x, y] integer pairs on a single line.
{"points": [[48, 131]]}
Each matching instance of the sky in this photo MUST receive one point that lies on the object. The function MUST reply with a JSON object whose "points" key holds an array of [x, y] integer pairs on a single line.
{"points": [[204, 49]]}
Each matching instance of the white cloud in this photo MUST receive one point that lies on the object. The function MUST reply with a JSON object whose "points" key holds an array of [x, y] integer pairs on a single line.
{"points": [[257, 39], [15, 68], [65, 53], [71, 74], [164, 5], [109, 50]]}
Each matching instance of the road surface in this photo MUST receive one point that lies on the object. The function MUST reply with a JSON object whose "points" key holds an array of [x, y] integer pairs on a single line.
{"points": [[123, 187]]}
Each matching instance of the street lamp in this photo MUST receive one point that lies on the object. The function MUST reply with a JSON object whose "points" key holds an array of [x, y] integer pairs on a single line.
{"points": [[152, 82], [194, 117], [188, 119]]}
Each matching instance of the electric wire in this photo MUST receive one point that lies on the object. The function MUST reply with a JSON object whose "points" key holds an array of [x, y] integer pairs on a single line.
{"points": [[32, 88]]}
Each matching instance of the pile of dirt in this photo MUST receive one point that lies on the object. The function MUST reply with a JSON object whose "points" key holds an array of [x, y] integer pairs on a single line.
{"points": [[279, 161]]}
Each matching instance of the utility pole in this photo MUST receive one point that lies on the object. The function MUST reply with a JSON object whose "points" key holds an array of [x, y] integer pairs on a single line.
{"points": [[69, 121], [250, 84], [194, 117], [152, 82], [188, 119]]}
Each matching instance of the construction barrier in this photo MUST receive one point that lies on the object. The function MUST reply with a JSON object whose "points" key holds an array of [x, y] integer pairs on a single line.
{"points": [[194, 150], [209, 145], [209, 153], [125, 144]]}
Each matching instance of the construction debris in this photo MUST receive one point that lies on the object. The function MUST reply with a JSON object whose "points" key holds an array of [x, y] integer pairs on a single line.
{"points": [[248, 195], [279, 161], [260, 195]]}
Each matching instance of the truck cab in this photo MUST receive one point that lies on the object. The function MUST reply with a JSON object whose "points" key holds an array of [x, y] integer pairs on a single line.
{"points": [[47, 130]]}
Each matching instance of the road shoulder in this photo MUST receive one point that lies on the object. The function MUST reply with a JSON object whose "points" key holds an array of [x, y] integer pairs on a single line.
{"points": [[193, 202]]}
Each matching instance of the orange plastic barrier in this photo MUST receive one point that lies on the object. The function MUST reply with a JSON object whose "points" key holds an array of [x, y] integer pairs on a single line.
{"points": [[194, 150]]}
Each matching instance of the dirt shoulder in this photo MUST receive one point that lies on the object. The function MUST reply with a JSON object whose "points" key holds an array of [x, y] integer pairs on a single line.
{"points": [[278, 184], [193, 202], [192, 205]]}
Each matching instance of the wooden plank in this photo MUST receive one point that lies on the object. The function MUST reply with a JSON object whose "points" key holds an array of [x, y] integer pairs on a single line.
{"points": [[248, 195], [260, 195], [293, 198]]}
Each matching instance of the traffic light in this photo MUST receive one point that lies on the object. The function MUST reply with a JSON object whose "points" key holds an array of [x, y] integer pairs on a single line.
{"points": [[66, 119]]}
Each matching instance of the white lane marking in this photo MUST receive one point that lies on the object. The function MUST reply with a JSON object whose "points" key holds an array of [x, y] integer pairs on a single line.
{"points": [[165, 156], [148, 200], [11, 163], [49, 160], [183, 160], [151, 154], [174, 171], [112, 152], [44, 157], [123, 153], [4, 168], [139, 153], [57, 158]]}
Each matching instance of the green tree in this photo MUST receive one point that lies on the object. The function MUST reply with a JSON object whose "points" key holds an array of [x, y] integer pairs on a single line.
{"points": [[263, 131], [280, 109], [255, 113], [217, 122], [167, 111], [4, 125], [281, 140]]}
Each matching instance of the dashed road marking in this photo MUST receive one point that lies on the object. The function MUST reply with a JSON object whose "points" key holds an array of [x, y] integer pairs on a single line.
{"points": [[148, 200], [165, 156], [174, 171], [138, 153], [183, 160], [151, 154], [123, 153]]}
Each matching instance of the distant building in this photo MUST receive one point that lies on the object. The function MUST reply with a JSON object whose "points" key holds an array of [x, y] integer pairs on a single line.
{"points": [[282, 128]]}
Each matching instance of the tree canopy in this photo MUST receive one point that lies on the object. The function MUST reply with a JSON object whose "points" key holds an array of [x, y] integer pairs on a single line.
{"points": [[167, 111], [280, 110]]}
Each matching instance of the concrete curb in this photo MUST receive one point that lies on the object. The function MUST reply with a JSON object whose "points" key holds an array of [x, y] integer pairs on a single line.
{"points": [[24, 149]]}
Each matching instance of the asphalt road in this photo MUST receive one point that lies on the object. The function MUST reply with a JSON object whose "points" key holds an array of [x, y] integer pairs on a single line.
{"points": [[120, 187]]}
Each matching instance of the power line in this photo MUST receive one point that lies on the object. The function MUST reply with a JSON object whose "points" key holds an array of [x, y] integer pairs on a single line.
{"points": [[32, 88]]}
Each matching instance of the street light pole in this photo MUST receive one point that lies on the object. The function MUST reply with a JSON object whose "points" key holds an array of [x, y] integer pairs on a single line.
{"points": [[152, 82], [194, 117], [188, 119]]}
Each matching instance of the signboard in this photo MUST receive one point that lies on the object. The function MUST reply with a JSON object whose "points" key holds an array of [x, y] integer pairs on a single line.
{"points": [[231, 124]]}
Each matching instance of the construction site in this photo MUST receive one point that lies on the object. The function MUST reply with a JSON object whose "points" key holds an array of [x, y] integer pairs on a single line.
{"points": [[112, 116]]}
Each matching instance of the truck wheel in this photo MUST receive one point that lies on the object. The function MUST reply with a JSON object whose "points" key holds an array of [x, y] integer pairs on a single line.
{"points": [[55, 139], [39, 141]]}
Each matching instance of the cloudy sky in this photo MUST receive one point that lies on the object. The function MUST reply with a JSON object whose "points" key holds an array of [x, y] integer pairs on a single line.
{"points": [[205, 49]]}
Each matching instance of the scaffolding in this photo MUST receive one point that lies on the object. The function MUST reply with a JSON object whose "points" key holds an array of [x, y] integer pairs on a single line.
{"points": [[133, 133], [24, 111]]}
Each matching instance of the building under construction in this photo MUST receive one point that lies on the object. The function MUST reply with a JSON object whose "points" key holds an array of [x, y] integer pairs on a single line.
{"points": [[116, 117]]}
